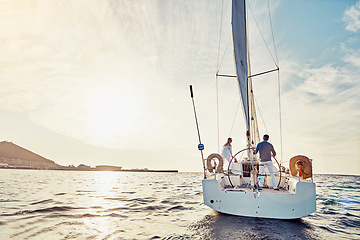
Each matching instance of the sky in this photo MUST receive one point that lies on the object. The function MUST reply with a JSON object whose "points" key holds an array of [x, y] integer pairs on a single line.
{"points": [[107, 82]]}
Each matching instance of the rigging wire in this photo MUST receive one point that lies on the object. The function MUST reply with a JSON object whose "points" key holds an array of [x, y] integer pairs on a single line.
{"points": [[222, 12], [217, 70], [217, 96], [217, 92], [227, 46], [281, 144], [257, 25], [272, 34], [217, 112], [276, 62], [279, 84], [261, 116], [232, 126]]}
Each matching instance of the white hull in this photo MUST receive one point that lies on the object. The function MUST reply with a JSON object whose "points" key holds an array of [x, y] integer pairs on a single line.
{"points": [[296, 202]]}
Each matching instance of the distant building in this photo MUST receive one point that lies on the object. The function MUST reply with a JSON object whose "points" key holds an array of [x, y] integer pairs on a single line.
{"points": [[107, 168], [4, 165]]}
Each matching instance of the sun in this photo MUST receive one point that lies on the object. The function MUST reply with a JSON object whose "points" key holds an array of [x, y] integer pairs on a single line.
{"points": [[112, 116]]}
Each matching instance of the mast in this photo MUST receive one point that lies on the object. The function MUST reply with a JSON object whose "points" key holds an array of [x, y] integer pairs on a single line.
{"points": [[254, 129]]}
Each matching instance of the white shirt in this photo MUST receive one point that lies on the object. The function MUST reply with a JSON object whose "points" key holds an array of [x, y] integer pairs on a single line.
{"points": [[226, 153]]}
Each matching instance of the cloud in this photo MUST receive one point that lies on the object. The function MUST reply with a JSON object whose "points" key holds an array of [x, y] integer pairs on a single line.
{"points": [[352, 56], [56, 67], [321, 112], [352, 18], [64, 63]]}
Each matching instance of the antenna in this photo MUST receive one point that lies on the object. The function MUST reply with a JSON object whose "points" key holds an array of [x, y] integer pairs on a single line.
{"points": [[200, 146]]}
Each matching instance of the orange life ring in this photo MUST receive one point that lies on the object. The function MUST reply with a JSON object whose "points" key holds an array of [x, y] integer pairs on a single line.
{"points": [[209, 165], [302, 165]]}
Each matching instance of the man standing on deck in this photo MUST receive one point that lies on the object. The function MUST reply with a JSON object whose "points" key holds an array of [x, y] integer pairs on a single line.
{"points": [[265, 149]]}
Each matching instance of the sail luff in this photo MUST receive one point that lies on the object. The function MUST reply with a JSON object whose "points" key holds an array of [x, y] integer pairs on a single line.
{"points": [[240, 54]]}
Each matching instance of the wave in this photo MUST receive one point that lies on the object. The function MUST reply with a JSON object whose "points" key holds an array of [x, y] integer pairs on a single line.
{"points": [[41, 210], [91, 215], [9, 200], [179, 208], [59, 194], [43, 201]]}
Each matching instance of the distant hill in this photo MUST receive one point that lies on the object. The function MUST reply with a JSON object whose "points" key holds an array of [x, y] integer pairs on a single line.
{"points": [[14, 155]]}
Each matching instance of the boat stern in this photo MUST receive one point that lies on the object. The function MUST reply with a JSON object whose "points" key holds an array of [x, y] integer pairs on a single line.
{"points": [[265, 204]]}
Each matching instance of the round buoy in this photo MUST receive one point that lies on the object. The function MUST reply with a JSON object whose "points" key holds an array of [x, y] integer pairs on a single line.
{"points": [[302, 165], [210, 167]]}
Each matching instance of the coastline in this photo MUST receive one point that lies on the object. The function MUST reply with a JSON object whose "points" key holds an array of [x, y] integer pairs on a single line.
{"points": [[87, 169], [13, 156]]}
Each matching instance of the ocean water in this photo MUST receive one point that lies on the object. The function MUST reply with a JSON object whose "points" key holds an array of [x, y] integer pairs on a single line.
{"points": [[37, 204]]}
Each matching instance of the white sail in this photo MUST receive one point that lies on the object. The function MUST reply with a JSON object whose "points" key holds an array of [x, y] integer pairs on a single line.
{"points": [[240, 53]]}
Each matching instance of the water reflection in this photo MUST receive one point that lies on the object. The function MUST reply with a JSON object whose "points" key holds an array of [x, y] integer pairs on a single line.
{"points": [[106, 181], [223, 226]]}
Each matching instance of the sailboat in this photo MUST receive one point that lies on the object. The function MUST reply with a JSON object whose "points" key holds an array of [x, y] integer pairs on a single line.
{"points": [[238, 193]]}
